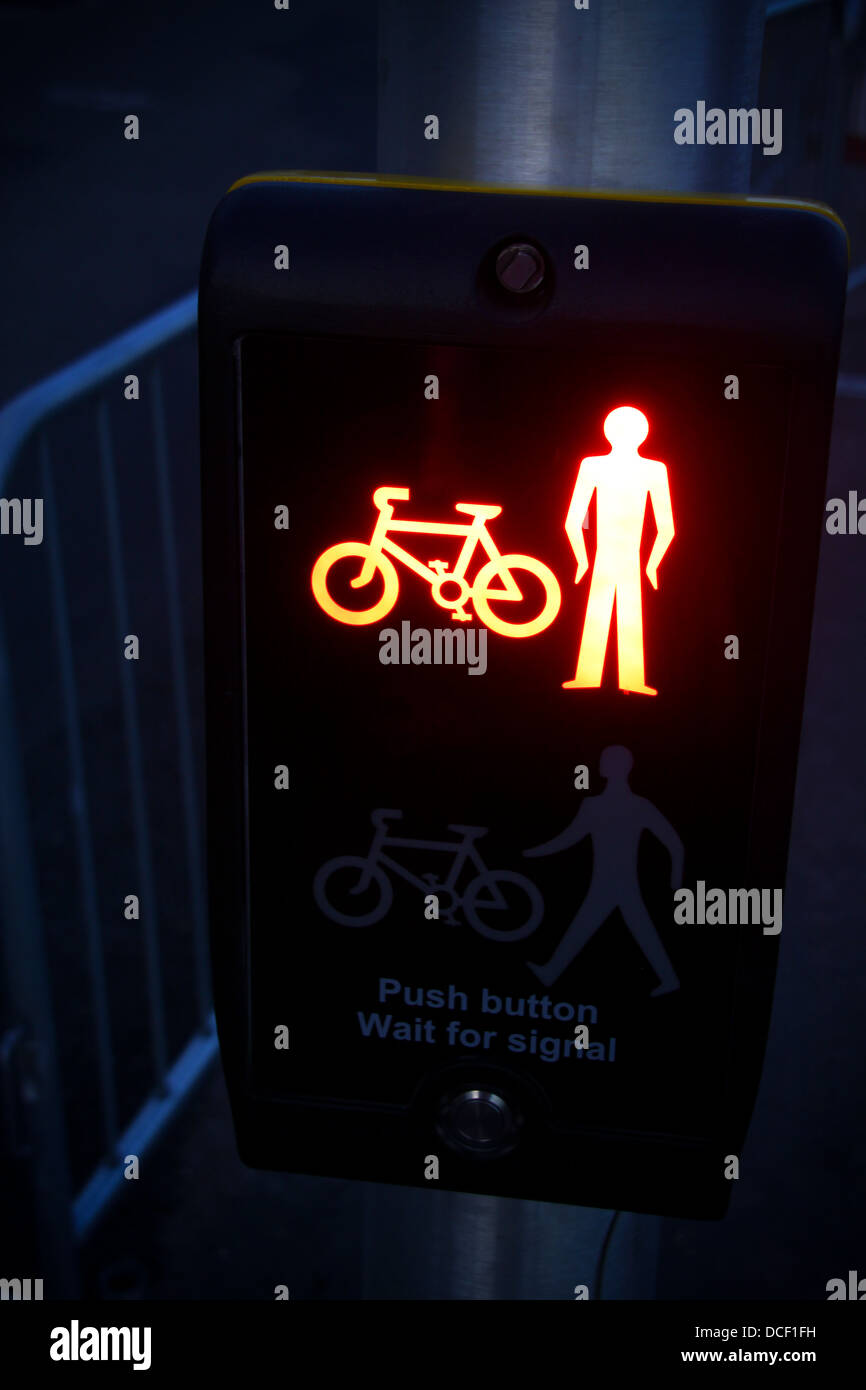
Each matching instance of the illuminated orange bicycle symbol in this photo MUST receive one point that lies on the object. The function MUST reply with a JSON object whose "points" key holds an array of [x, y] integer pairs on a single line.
{"points": [[450, 587]]}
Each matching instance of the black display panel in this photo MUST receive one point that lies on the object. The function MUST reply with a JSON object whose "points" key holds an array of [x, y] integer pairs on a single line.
{"points": [[383, 1002]]}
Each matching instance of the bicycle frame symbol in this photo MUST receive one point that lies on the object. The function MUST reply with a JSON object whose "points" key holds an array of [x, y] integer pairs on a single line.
{"points": [[489, 891], [374, 553]]}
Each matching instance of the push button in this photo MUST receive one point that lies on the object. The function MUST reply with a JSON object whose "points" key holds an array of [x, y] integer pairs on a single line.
{"points": [[478, 1122]]}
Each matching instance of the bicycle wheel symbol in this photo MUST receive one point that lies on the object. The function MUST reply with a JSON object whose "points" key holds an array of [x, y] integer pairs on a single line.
{"points": [[503, 906], [337, 889], [362, 551], [482, 593]]}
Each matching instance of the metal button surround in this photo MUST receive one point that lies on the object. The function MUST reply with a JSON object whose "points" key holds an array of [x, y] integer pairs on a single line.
{"points": [[478, 1122]]}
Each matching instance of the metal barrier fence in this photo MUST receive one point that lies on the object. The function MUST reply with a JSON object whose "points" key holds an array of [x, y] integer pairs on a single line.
{"points": [[72, 1124]]}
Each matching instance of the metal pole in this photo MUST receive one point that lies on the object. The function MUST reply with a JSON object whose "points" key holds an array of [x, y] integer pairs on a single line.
{"points": [[545, 95]]}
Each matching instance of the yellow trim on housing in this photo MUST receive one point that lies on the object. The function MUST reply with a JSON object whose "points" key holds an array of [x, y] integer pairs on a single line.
{"points": [[446, 185]]}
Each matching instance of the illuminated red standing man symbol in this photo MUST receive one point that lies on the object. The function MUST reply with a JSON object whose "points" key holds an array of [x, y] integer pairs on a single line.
{"points": [[622, 480]]}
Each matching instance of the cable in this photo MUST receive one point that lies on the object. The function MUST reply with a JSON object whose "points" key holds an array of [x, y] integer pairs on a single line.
{"points": [[602, 1254]]}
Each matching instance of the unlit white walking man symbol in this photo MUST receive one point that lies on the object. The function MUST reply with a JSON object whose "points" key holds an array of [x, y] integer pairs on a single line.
{"points": [[614, 821]]}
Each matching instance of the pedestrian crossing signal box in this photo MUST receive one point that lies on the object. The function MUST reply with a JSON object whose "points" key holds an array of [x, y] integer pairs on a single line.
{"points": [[512, 507]]}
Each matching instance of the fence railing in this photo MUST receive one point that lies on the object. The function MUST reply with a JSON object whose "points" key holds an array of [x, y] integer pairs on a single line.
{"points": [[95, 441]]}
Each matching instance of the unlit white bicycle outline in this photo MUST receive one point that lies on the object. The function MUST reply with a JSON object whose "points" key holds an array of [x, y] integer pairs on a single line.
{"points": [[372, 869]]}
